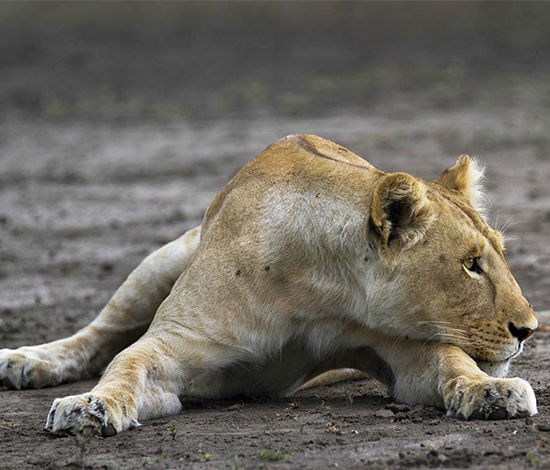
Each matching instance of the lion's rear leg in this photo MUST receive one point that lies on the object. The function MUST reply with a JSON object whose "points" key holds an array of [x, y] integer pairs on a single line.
{"points": [[123, 320], [144, 381]]}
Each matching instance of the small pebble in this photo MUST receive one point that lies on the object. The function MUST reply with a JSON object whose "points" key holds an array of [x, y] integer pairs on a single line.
{"points": [[384, 414]]}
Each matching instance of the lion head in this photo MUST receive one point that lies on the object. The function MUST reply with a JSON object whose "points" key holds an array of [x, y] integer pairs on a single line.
{"points": [[453, 282]]}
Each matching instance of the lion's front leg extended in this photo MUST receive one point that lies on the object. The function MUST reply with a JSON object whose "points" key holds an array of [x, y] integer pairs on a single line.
{"points": [[445, 376], [113, 405], [123, 320], [143, 381]]}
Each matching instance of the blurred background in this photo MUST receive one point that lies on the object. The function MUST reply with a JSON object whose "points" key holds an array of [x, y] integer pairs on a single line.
{"points": [[120, 121], [193, 60]]}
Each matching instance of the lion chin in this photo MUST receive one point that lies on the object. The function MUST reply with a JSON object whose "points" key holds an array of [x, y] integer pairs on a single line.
{"points": [[495, 369]]}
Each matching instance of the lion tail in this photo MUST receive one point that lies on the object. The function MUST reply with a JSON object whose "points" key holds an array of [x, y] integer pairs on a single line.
{"points": [[334, 376]]}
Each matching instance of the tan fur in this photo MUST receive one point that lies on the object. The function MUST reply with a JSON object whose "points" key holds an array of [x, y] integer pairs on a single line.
{"points": [[334, 376], [308, 262], [466, 178]]}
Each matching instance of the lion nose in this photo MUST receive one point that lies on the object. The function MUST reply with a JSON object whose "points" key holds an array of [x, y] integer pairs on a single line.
{"points": [[520, 333]]}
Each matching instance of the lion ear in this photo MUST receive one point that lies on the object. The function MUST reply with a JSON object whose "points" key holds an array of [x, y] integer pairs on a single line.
{"points": [[400, 210], [466, 177]]}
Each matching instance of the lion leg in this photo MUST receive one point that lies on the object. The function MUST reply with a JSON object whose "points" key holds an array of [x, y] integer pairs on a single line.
{"points": [[123, 320], [445, 376], [143, 381]]}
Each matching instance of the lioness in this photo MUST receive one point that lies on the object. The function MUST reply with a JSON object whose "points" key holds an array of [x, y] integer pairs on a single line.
{"points": [[309, 262]]}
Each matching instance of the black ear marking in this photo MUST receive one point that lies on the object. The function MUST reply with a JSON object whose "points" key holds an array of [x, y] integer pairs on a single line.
{"points": [[396, 213], [400, 210]]}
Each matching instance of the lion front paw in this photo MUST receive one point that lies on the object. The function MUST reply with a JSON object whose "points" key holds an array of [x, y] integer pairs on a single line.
{"points": [[87, 413], [27, 368], [489, 398]]}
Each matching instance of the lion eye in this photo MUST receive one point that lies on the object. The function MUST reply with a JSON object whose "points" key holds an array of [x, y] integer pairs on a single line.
{"points": [[473, 265]]}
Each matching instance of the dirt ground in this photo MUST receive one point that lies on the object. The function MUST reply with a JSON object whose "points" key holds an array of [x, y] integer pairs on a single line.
{"points": [[82, 204], [96, 173]]}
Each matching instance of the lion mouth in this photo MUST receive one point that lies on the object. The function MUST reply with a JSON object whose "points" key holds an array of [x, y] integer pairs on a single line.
{"points": [[516, 353]]}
